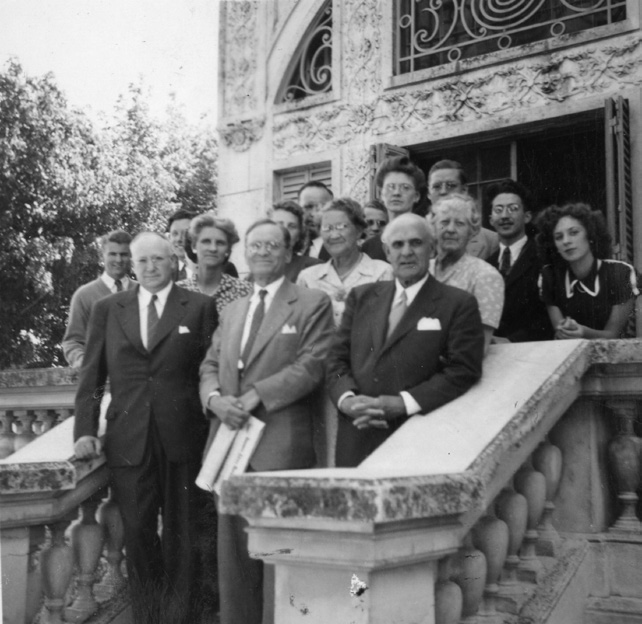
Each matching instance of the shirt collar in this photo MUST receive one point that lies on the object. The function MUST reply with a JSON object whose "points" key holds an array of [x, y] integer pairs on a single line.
{"points": [[589, 285], [110, 282], [144, 296], [411, 291], [515, 248], [271, 288]]}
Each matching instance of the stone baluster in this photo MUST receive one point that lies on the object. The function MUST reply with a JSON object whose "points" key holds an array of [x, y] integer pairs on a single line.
{"points": [[512, 508], [57, 564], [25, 434], [45, 420], [33, 600], [532, 485], [547, 459], [110, 519], [448, 595], [490, 536], [624, 455], [7, 434], [87, 538], [469, 572]]}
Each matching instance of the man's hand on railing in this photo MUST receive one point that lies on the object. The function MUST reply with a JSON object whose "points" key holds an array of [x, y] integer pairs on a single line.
{"points": [[87, 447]]}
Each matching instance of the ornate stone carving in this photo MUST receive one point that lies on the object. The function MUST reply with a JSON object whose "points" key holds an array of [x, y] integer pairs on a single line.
{"points": [[240, 135], [240, 60], [560, 77], [356, 173]]}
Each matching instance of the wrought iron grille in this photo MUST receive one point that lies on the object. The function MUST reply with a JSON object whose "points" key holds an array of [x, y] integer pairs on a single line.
{"points": [[312, 70], [435, 32]]}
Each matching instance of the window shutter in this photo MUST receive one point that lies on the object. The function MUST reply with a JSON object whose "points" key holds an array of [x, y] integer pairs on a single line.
{"points": [[289, 182]]}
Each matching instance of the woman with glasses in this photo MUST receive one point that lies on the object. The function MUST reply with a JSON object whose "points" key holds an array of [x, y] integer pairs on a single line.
{"points": [[587, 295], [376, 218], [342, 225], [210, 242], [456, 219]]}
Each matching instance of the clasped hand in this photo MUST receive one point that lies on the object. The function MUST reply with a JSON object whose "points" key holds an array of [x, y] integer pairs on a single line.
{"points": [[568, 328], [372, 412], [234, 411]]}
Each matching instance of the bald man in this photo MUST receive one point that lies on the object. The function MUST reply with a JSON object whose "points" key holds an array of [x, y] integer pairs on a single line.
{"points": [[149, 341], [404, 347]]}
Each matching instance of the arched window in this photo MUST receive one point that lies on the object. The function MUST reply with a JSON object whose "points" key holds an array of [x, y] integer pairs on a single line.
{"points": [[310, 73]]}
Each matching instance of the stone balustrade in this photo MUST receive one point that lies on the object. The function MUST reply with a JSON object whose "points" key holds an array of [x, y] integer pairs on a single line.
{"points": [[485, 511], [55, 524]]}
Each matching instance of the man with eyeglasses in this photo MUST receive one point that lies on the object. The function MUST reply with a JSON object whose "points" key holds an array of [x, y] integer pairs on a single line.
{"points": [[524, 316], [149, 341], [266, 360], [447, 177], [376, 217], [401, 184]]}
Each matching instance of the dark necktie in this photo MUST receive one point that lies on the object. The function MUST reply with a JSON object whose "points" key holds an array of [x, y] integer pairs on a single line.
{"points": [[396, 313], [152, 320], [119, 285], [504, 265], [257, 319]]}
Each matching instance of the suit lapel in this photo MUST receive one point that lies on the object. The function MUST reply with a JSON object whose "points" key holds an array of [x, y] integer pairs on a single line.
{"points": [[173, 312], [237, 323], [424, 304], [129, 318], [523, 262], [378, 315], [278, 312]]}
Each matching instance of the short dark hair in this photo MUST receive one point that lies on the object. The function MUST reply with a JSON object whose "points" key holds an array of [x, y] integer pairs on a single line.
{"points": [[509, 186], [119, 237], [401, 164], [592, 220], [350, 208], [449, 164], [314, 184], [290, 206], [286, 233], [377, 204], [178, 216]]}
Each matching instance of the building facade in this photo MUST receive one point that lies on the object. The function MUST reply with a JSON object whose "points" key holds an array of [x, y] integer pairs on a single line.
{"points": [[546, 91]]}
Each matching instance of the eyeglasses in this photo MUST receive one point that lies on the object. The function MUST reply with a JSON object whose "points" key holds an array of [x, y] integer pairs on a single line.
{"points": [[448, 186], [270, 246], [404, 187], [512, 208], [335, 228], [377, 222]]}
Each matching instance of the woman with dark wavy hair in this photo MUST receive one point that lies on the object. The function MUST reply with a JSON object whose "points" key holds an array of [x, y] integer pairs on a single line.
{"points": [[587, 295]]}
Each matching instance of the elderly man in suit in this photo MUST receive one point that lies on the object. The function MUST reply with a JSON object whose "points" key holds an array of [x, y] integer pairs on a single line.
{"points": [[404, 347], [116, 258], [266, 359], [149, 342], [524, 316]]}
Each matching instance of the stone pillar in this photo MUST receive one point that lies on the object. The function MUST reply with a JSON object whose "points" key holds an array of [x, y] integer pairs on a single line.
{"points": [[14, 547]]}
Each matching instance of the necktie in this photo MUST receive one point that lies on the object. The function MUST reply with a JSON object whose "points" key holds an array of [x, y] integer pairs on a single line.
{"points": [[504, 265], [257, 319], [152, 320], [118, 284], [396, 313]]}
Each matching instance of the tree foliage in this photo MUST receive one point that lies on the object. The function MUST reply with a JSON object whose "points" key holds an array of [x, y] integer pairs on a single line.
{"points": [[64, 183]]}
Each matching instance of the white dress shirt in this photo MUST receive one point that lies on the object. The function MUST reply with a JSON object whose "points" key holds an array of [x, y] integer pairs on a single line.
{"points": [[144, 297], [515, 249], [110, 282]]}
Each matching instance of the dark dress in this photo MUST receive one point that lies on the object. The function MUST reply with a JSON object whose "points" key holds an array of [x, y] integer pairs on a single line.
{"points": [[589, 301]]}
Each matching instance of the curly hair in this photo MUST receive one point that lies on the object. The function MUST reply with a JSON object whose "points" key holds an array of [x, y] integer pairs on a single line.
{"points": [[508, 186], [459, 201], [208, 219], [592, 220], [401, 164], [350, 208]]}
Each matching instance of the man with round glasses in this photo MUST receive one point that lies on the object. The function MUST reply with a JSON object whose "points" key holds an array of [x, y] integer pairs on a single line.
{"points": [[447, 177], [401, 184], [524, 316]]}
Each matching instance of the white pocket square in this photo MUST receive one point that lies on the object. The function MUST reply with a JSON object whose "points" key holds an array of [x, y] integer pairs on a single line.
{"points": [[183, 330], [288, 329], [428, 324]]}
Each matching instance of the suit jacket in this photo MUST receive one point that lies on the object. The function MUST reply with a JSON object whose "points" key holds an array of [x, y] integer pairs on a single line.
{"points": [[524, 317], [285, 367], [73, 342], [374, 248], [434, 365], [159, 383]]}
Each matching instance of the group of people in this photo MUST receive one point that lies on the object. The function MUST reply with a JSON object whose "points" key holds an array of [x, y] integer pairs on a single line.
{"points": [[368, 314]]}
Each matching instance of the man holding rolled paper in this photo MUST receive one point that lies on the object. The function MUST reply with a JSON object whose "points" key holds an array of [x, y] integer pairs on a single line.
{"points": [[266, 360]]}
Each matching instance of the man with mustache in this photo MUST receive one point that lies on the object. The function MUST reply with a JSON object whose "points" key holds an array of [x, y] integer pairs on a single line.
{"points": [[524, 317]]}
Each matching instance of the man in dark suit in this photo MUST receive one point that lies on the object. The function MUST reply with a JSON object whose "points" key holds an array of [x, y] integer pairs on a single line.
{"points": [[524, 316], [149, 342], [404, 347], [266, 359], [312, 196], [401, 184]]}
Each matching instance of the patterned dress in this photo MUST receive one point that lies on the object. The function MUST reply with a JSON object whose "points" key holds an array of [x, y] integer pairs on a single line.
{"points": [[230, 289]]}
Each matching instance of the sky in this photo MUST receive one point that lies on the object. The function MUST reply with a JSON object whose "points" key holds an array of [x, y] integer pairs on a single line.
{"points": [[96, 48]]}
